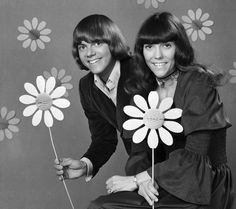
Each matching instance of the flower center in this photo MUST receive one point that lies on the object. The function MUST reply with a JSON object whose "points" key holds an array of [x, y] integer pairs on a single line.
{"points": [[153, 118], [3, 124], [44, 101], [197, 25], [34, 34]]}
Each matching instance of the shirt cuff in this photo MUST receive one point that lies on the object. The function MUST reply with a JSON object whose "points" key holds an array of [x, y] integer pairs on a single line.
{"points": [[89, 165], [143, 176]]}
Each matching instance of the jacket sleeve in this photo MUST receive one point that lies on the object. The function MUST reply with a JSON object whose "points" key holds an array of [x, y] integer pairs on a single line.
{"points": [[103, 134]]}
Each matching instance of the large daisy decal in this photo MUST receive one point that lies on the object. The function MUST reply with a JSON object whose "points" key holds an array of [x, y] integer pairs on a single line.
{"points": [[8, 123], [61, 78], [148, 3], [197, 24], [156, 121], [232, 72], [34, 34]]}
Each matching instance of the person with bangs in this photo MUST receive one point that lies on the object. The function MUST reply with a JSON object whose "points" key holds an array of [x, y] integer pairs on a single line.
{"points": [[100, 48], [194, 173]]}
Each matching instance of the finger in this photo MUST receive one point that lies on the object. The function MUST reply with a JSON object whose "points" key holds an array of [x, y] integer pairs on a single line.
{"points": [[56, 161], [59, 173], [58, 167], [66, 161]]}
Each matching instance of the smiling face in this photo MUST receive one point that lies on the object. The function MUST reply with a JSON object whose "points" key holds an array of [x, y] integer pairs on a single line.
{"points": [[96, 56], [160, 58]]}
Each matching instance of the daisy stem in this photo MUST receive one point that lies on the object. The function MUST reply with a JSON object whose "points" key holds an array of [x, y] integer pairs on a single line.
{"points": [[63, 180], [153, 173]]}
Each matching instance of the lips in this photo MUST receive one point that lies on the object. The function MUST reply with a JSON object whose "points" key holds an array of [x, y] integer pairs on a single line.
{"points": [[159, 64], [93, 61]]}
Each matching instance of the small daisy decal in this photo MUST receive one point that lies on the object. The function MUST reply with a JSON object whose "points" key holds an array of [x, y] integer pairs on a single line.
{"points": [[157, 120], [8, 123], [61, 78], [148, 3], [232, 72], [34, 34], [197, 24], [44, 100]]}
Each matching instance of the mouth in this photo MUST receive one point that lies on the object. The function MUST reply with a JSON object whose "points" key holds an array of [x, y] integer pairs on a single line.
{"points": [[93, 61], [159, 64]]}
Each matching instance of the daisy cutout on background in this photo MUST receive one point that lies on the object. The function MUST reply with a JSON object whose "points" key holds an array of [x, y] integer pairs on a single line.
{"points": [[148, 3], [61, 78], [34, 34], [197, 24], [153, 119], [232, 72], [8, 123], [45, 101]]}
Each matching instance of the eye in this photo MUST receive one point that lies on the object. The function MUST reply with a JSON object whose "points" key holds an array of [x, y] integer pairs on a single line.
{"points": [[97, 43], [147, 46], [168, 44], [81, 47]]}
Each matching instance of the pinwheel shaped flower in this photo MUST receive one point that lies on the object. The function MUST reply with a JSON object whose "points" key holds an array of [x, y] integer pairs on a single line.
{"points": [[45, 101], [153, 118]]}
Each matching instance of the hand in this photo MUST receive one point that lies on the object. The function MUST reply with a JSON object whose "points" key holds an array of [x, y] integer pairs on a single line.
{"points": [[67, 168], [121, 183], [148, 191]]}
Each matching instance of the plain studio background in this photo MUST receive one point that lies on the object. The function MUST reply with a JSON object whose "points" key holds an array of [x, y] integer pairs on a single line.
{"points": [[27, 176]]}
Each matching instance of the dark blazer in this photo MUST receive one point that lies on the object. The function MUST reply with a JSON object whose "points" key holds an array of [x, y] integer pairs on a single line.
{"points": [[104, 118]]}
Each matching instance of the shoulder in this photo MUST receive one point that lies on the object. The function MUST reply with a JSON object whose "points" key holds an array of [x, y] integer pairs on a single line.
{"points": [[86, 80]]}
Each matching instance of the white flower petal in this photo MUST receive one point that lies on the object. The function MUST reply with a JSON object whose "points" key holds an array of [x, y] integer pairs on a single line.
{"points": [[54, 72], [155, 3], [201, 35], [204, 17], [37, 117], [14, 121], [198, 13], [34, 22], [26, 43], [2, 135], [40, 81], [132, 124], [8, 134], [147, 4], [186, 19], [33, 46], [140, 102], [206, 30], [41, 25], [29, 110], [13, 128], [194, 35], [208, 23], [27, 99], [140, 134], [153, 139], [27, 24], [3, 112], [166, 104], [22, 37], [133, 111], [45, 31], [232, 72], [153, 99], [40, 44], [140, 1], [45, 38], [165, 136], [10, 115], [30, 88], [189, 31], [187, 25], [58, 92], [23, 29], [61, 73], [232, 80], [66, 79], [191, 14], [57, 113], [173, 126], [173, 113], [61, 103], [67, 85], [46, 74], [50, 84], [234, 64], [48, 119]]}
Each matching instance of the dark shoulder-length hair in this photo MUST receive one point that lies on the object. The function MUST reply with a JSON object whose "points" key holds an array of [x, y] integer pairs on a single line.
{"points": [[100, 28], [159, 28]]}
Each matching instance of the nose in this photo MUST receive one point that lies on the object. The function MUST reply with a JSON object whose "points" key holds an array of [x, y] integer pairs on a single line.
{"points": [[158, 52], [90, 51]]}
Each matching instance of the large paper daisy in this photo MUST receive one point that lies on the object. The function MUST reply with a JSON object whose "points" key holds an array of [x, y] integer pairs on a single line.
{"points": [[232, 72], [157, 120], [61, 78], [44, 99], [34, 34], [8, 123], [197, 24], [148, 3]]}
